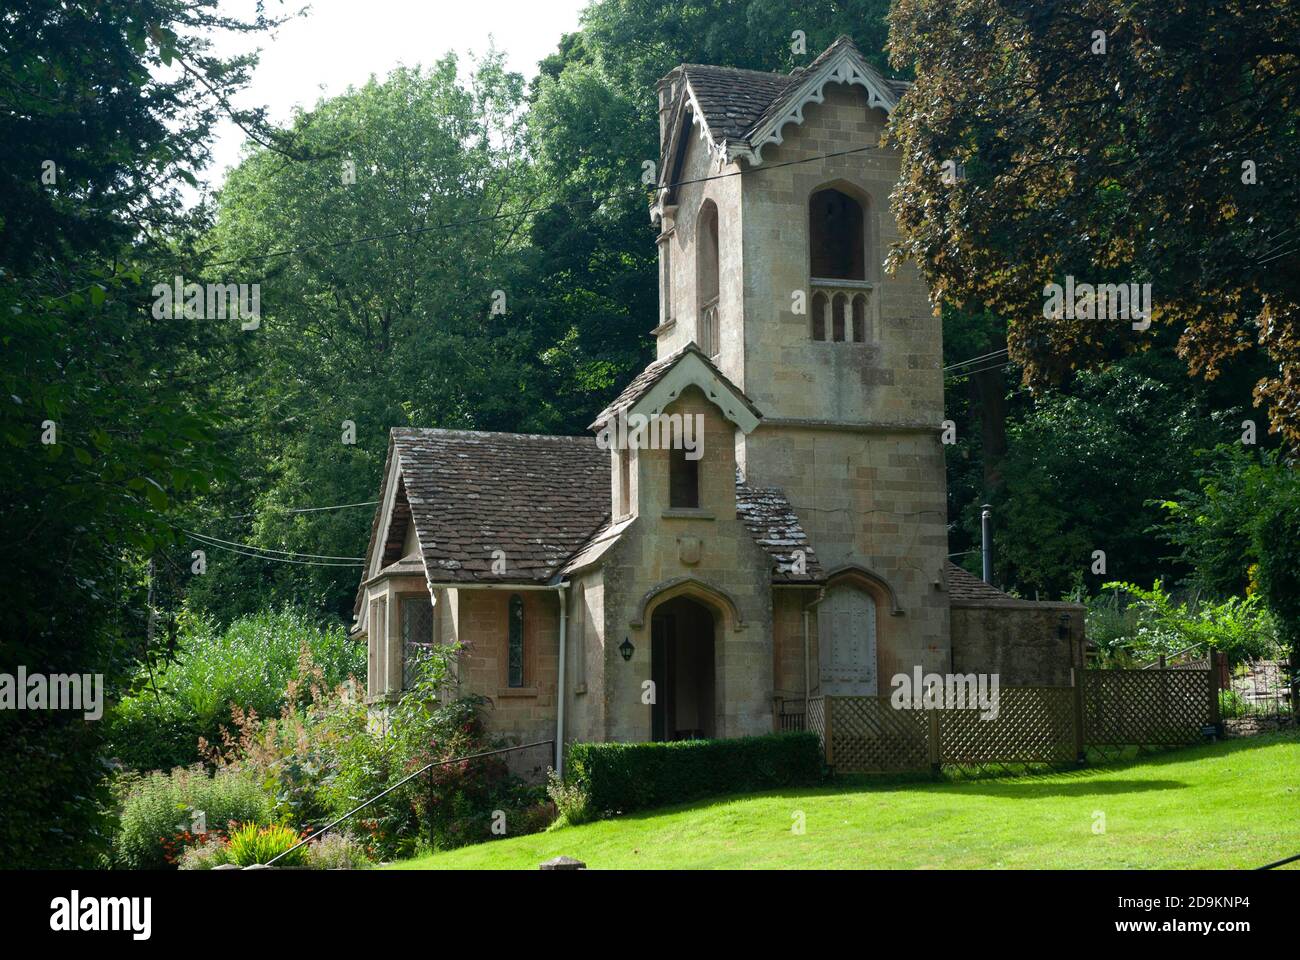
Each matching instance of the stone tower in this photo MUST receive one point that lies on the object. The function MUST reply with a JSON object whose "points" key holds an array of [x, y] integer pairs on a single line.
{"points": [[775, 220]]}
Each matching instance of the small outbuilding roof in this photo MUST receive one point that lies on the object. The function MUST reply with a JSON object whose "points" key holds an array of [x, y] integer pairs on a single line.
{"points": [[963, 585], [543, 501]]}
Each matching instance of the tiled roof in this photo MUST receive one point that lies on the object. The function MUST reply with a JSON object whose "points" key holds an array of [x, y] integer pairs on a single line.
{"points": [[543, 501], [776, 528], [599, 542], [736, 102], [535, 498], [644, 381], [731, 99], [966, 586]]}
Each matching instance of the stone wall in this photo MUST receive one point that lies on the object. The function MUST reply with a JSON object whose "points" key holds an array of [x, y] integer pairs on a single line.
{"points": [[1017, 639], [525, 713], [680, 222], [850, 430], [707, 554], [895, 376], [788, 605], [585, 684]]}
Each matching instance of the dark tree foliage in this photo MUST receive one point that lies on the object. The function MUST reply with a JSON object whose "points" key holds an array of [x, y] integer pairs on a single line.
{"points": [[107, 414], [1168, 158]]}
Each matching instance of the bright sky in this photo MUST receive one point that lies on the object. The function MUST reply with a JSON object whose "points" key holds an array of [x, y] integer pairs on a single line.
{"points": [[342, 42]]}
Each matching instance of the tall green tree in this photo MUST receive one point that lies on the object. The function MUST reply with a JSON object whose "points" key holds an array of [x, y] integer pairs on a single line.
{"points": [[107, 416], [1142, 142], [387, 271]]}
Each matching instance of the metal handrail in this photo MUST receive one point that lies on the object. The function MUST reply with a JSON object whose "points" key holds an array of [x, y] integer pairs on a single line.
{"points": [[379, 796], [1176, 653]]}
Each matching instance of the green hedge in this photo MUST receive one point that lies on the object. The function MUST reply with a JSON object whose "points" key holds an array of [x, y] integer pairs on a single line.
{"points": [[618, 777]]}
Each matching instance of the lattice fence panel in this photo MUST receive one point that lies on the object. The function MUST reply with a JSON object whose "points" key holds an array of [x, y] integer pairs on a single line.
{"points": [[816, 718], [1158, 707], [1033, 725], [869, 736]]}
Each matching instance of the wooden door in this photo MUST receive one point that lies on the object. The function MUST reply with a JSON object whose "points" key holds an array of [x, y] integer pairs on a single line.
{"points": [[846, 633]]}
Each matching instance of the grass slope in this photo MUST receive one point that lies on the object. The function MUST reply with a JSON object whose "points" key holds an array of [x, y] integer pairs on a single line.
{"points": [[1233, 804]]}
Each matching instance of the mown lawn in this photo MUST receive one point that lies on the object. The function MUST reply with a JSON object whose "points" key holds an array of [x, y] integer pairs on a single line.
{"points": [[1234, 804]]}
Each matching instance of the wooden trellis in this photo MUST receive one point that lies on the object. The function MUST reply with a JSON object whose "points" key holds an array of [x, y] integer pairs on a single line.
{"points": [[815, 716], [1109, 708], [1033, 725], [866, 734], [1148, 707]]}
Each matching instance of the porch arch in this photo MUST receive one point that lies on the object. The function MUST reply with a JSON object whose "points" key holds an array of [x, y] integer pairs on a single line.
{"points": [[715, 597]]}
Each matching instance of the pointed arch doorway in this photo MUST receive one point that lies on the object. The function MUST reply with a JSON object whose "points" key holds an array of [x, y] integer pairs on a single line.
{"points": [[682, 651], [846, 642]]}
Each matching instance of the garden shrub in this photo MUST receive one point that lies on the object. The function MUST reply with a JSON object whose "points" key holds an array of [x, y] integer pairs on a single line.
{"points": [[162, 813], [1242, 629], [250, 664], [337, 851], [213, 852], [1231, 704], [254, 843], [571, 800], [619, 777], [334, 851], [326, 753]]}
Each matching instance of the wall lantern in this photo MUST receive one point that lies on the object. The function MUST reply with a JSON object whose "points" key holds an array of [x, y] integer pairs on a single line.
{"points": [[626, 649]]}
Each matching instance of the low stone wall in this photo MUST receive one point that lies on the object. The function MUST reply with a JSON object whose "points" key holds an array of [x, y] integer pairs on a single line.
{"points": [[1249, 726], [1020, 640]]}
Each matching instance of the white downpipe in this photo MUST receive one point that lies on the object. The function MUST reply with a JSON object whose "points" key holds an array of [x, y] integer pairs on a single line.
{"points": [[807, 686], [559, 683]]}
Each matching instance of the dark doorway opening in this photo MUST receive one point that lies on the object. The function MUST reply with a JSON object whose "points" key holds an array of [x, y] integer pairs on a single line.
{"points": [[681, 666]]}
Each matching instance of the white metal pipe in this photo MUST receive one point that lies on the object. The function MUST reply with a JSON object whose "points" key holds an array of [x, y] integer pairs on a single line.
{"points": [[559, 683]]}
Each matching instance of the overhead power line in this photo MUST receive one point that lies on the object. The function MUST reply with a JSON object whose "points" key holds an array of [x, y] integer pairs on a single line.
{"points": [[986, 369], [249, 546], [274, 560], [530, 211], [336, 506], [962, 363], [269, 553]]}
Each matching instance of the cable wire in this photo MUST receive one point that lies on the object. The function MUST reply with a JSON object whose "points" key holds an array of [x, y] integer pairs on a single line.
{"points": [[496, 217]]}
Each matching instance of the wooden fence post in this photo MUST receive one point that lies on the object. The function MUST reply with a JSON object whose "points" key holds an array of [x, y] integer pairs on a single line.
{"points": [[1164, 694], [828, 707], [935, 738], [1216, 681], [1076, 682]]}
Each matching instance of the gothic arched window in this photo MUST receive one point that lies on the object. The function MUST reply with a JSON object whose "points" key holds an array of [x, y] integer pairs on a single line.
{"points": [[706, 239], [515, 642], [837, 249]]}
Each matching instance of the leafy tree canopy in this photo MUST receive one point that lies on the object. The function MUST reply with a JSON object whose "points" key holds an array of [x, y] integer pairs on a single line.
{"points": [[1147, 142]]}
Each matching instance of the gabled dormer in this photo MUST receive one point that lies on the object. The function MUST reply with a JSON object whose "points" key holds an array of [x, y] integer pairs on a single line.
{"points": [[648, 467]]}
